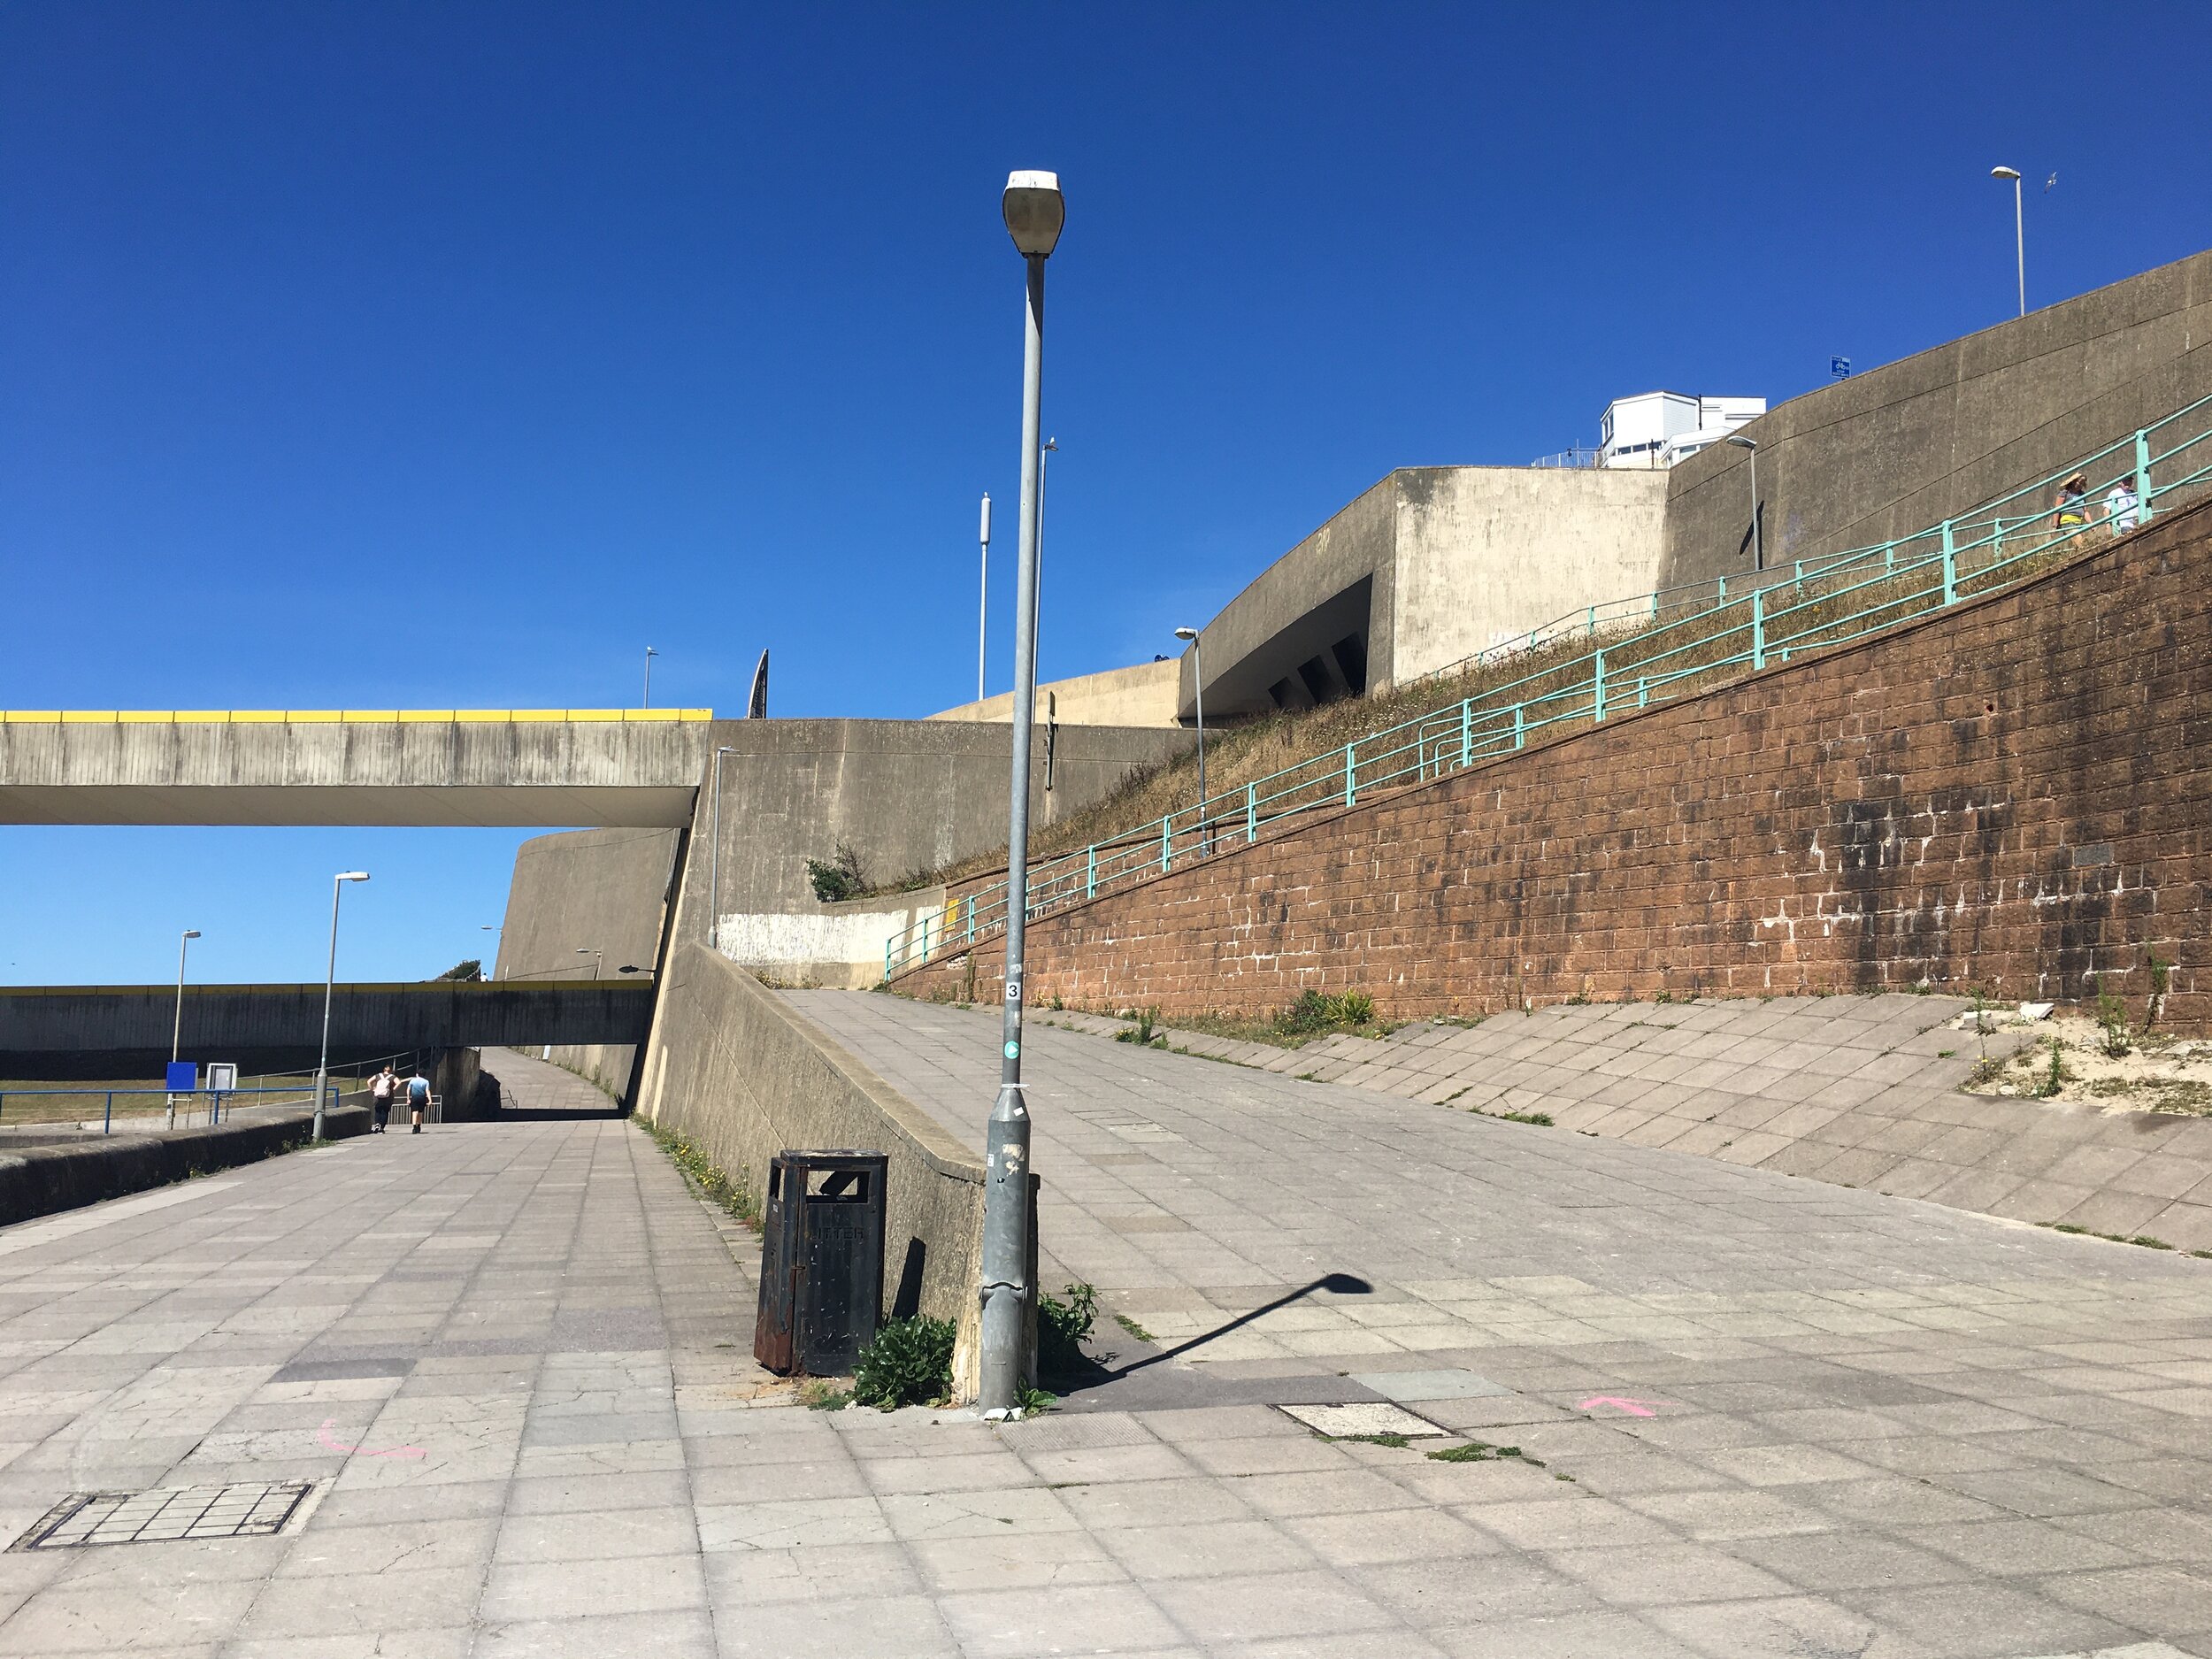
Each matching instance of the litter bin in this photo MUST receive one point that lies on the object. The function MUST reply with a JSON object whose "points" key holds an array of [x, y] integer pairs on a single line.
{"points": [[821, 1261]]}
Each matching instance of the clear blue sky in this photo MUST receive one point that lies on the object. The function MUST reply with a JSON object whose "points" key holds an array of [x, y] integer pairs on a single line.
{"points": [[442, 354]]}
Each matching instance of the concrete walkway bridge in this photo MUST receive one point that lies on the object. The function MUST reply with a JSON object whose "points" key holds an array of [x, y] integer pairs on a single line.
{"points": [[551, 767]]}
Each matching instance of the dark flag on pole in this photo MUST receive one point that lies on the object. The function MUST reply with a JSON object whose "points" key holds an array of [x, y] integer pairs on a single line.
{"points": [[756, 705]]}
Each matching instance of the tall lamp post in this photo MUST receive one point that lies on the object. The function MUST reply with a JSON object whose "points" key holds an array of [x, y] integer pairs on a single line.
{"points": [[498, 934], [176, 1032], [2019, 232], [1034, 211], [1198, 685], [330, 979], [650, 655], [714, 853], [1758, 536], [983, 598], [1037, 588], [598, 956]]}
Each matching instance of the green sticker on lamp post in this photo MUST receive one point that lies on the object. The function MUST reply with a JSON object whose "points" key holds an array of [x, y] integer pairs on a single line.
{"points": [[1013, 1051]]}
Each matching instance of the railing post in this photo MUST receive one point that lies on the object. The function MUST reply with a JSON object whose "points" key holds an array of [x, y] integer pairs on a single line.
{"points": [[1466, 732], [1724, 591], [971, 919], [1758, 628], [1090, 870], [1655, 604], [1251, 813], [1167, 842], [107, 1119], [1889, 559], [1520, 728], [1950, 565], [1351, 790], [1593, 621], [1642, 687], [2143, 477], [887, 962], [1597, 699]]}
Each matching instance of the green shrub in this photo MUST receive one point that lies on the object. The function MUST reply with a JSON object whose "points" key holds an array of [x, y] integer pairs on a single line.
{"points": [[1063, 1326], [1143, 1035], [1316, 1012], [910, 1364], [837, 879]]}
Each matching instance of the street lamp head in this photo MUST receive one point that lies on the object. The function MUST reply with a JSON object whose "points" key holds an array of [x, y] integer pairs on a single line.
{"points": [[2004, 172], [1034, 211], [191, 932], [1743, 443], [724, 749], [1187, 633], [353, 875]]}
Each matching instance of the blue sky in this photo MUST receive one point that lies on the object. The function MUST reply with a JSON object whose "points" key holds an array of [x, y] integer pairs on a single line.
{"points": [[445, 355]]}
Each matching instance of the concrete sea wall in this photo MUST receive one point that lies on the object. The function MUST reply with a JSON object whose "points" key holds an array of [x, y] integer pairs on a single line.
{"points": [[737, 1071]]}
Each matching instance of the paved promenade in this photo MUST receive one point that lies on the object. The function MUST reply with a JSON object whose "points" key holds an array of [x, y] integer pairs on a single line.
{"points": [[507, 1364]]}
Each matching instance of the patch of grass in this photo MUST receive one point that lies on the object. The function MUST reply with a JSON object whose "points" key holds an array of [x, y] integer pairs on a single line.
{"points": [[910, 1364], [735, 1197], [1542, 1120], [822, 1396], [1134, 1328], [2142, 1240]]}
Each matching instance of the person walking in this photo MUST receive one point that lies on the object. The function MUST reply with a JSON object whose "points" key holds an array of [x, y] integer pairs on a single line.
{"points": [[2073, 506], [2120, 506], [418, 1100], [382, 1087]]}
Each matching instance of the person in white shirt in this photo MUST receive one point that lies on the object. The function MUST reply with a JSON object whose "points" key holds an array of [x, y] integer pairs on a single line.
{"points": [[2120, 506]]}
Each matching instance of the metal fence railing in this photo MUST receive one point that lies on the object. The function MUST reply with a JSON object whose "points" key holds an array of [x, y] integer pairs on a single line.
{"points": [[1650, 648]]}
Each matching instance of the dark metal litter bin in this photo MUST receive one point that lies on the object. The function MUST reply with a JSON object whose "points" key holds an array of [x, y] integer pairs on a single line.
{"points": [[821, 1261]]}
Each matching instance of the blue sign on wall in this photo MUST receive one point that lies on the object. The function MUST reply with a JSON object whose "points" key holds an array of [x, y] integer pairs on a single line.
{"points": [[184, 1077]]}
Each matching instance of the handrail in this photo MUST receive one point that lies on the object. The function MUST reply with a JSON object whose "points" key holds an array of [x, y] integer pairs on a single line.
{"points": [[1639, 655]]}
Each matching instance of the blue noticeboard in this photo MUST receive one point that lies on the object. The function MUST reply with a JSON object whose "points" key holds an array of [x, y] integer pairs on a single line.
{"points": [[184, 1077]]}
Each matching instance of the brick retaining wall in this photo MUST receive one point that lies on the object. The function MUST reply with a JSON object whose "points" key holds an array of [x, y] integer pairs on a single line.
{"points": [[2013, 794]]}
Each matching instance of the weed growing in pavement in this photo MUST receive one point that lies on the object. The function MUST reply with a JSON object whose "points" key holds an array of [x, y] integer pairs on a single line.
{"points": [[699, 1170], [2054, 1079], [1395, 1441], [2144, 1240], [822, 1396], [1141, 1033], [1134, 1328], [1483, 1452], [1542, 1120], [2162, 976], [1063, 1326], [1036, 1401], [2112, 1015], [910, 1364]]}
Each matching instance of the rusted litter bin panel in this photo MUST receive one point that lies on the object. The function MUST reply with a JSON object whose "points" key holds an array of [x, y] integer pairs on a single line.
{"points": [[821, 1261]]}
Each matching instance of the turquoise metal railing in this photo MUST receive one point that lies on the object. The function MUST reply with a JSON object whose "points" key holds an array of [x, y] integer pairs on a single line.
{"points": [[1656, 646]]}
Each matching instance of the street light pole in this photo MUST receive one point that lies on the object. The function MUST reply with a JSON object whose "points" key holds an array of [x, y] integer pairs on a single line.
{"points": [[983, 598], [1758, 535], [1198, 686], [176, 1032], [650, 655], [330, 979], [1037, 588], [2019, 232], [498, 934], [598, 956], [714, 854], [1034, 211]]}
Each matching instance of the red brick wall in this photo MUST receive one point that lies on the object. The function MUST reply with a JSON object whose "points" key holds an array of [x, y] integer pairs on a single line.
{"points": [[2013, 794]]}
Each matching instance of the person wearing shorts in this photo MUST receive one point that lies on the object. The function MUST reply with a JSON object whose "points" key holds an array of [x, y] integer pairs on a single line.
{"points": [[418, 1101]]}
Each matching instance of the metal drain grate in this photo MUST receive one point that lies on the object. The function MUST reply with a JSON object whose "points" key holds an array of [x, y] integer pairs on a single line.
{"points": [[250, 1509]]}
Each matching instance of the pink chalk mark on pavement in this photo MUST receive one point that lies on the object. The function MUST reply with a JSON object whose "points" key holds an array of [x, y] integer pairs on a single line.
{"points": [[324, 1438], [1633, 1407]]}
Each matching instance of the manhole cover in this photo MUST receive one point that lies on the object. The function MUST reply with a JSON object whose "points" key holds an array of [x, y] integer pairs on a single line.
{"points": [[248, 1510], [1375, 1417]]}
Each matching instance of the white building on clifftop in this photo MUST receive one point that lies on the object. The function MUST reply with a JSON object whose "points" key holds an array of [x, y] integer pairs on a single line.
{"points": [[1654, 430]]}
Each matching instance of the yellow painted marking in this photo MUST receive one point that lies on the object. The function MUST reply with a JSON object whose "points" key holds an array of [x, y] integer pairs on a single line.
{"points": [[352, 717]]}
